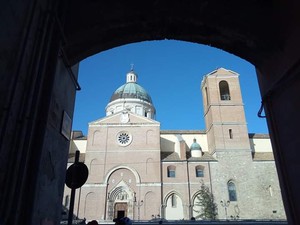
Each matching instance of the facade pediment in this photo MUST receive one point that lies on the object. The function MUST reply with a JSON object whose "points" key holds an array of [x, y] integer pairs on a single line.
{"points": [[124, 118]]}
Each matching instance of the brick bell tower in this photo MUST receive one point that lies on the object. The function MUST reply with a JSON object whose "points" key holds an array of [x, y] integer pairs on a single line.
{"points": [[224, 114]]}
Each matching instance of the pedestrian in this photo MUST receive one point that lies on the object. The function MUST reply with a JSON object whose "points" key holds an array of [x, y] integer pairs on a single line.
{"points": [[93, 222], [123, 221]]}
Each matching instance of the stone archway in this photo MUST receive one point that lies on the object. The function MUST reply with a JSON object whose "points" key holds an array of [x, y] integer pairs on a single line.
{"points": [[121, 193], [174, 208], [45, 39]]}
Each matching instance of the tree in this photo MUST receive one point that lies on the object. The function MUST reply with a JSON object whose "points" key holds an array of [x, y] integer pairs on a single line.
{"points": [[205, 201]]}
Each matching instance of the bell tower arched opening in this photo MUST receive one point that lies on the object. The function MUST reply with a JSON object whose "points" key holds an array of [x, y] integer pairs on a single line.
{"points": [[224, 90]]}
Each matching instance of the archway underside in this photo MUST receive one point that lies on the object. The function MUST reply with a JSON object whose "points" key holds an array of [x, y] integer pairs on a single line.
{"points": [[253, 37], [265, 33]]}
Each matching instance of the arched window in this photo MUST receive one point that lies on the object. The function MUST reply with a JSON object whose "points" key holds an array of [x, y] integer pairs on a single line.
{"points": [[224, 90], [232, 191], [171, 171], [199, 171]]}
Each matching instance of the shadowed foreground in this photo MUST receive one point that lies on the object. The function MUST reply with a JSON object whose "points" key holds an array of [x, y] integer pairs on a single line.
{"points": [[201, 222]]}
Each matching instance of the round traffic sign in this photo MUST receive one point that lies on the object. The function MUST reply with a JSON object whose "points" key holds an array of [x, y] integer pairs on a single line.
{"points": [[77, 175]]}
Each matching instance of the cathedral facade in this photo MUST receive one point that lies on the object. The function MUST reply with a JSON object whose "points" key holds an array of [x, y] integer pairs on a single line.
{"points": [[142, 172]]}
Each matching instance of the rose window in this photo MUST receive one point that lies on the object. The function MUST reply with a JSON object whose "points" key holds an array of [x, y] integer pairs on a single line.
{"points": [[124, 138]]}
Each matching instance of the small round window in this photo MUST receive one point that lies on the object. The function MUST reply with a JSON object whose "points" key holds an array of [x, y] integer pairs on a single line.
{"points": [[124, 138]]}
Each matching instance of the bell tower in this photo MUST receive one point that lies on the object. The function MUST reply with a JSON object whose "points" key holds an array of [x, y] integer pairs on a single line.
{"points": [[224, 114]]}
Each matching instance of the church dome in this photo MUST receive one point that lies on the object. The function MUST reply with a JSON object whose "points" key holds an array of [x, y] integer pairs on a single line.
{"points": [[131, 97], [131, 90], [196, 150], [195, 146]]}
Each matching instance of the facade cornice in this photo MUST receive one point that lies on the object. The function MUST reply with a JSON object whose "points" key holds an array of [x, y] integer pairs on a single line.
{"points": [[259, 136], [182, 132], [124, 125]]}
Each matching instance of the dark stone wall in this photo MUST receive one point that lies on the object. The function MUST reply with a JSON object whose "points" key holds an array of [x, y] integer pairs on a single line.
{"points": [[54, 155], [36, 88]]}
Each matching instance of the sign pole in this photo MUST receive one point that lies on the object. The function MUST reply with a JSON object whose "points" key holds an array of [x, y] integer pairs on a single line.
{"points": [[73, 190]]}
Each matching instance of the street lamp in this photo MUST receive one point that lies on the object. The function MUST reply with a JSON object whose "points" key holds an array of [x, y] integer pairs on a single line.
{"points": [[138, 204], [225, 205], [154, 217]]}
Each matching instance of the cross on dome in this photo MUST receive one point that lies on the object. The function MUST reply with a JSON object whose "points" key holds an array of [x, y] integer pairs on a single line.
{"points": [[132, 65]]}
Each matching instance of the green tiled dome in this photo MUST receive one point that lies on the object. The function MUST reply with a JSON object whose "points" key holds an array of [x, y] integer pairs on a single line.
{"points": [[131, 90], [195, 145]]}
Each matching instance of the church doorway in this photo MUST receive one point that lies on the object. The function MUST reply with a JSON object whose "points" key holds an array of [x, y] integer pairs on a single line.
{"points": [[121, 197], [120, 210]]}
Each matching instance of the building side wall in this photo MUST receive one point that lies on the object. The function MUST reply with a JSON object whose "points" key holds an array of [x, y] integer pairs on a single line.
{"points": [[261, 144], [253, 181]]}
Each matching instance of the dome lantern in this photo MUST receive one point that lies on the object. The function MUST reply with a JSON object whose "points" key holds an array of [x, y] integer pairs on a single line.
{"points": [[131, 77]]}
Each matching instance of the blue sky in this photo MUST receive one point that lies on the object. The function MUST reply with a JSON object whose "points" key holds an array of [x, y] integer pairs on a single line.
{"points": [[171, 72]]}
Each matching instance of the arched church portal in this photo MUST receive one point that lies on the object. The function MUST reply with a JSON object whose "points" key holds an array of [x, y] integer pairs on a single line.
{"points": [[121, 194]]}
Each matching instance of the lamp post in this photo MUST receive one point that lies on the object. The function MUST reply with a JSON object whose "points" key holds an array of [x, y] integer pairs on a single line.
{"points": [[225, 205], [138, 204], [237, 212], [154, 217]]}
